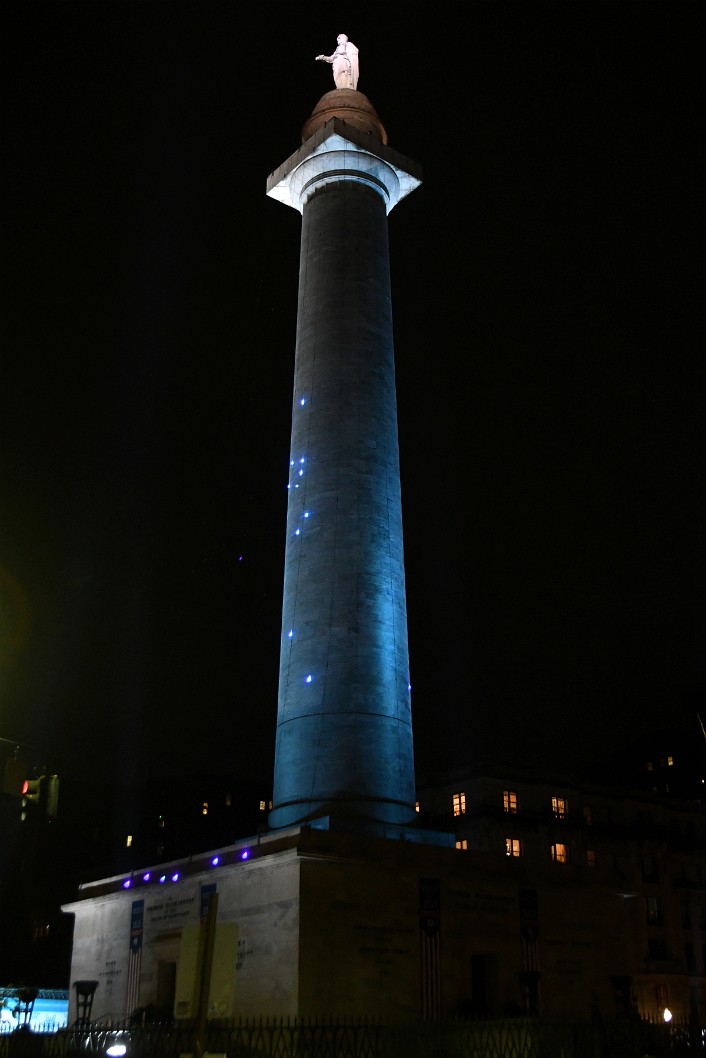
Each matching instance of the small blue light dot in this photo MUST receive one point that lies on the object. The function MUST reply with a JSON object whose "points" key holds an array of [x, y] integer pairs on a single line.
{"points": [[302, 460], [163, 879], [302, 402], [409, 686], [215, 861], [297, 532], [301, 472], [306, 514], [244, 855], [175, 877], [146, 877], [290, 633], [291, 462], [309, 678], [296, 486], [127, 883]]}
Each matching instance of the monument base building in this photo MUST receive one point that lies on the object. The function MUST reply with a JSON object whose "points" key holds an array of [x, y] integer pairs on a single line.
{"points": [[547, 899]]}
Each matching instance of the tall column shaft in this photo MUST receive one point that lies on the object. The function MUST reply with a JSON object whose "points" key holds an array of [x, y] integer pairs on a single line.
{"points": [[344, 743]]}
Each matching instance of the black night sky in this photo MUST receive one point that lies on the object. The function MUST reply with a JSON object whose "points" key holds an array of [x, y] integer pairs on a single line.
{"points": [[549, 335]]}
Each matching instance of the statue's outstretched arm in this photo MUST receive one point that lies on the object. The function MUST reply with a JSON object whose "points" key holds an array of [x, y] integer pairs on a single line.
{"points": [[324, 58]]}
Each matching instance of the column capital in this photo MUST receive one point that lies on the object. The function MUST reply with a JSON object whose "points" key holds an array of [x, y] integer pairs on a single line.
{"points": [[336, 153]]}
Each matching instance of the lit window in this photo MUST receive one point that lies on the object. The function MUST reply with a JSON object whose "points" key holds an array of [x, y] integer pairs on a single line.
{"points": [[653, 911], [510, 801], [512, 847], [204, 808], [559, 807], [462, 844], [263, 806], [459, 803], [591, 857], [128, 841], [670, 762], [270, 804], [560, 852], [416, 806]]}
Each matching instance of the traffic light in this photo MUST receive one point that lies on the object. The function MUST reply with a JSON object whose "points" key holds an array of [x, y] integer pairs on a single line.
{"points": [[42, 791], [34, 790], [32, 794]]}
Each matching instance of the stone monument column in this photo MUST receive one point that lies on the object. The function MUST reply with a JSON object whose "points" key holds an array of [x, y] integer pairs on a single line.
{"points": [[344, 744]]}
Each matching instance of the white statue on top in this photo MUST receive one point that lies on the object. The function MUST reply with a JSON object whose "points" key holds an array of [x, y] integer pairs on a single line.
{"points": [[344, 61]]}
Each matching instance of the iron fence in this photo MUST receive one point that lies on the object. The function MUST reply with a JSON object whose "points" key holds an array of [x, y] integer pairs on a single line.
{"points": [[363, 1038]]}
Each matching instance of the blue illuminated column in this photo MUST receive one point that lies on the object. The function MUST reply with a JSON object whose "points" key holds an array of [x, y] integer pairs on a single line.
{"points": [[344, 729]]}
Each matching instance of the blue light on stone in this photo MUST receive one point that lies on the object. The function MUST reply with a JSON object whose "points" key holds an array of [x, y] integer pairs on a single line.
{"points": [[215, 861], [302, 402], [297, 532], [127, 883], [245, 854], [175, 877], [309, 678], [146, 877], [290, 633], [306, 514], [163, 879]]}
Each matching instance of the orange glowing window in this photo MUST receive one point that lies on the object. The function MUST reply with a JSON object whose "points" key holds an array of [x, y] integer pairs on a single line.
{"points": [[560, 852], [462, 844], [458, 801], [512, 847], [559, 807], [510, 802]]}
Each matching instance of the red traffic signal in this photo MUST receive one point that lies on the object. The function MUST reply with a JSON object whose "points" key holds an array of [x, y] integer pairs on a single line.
{"points": [[32, 789]]}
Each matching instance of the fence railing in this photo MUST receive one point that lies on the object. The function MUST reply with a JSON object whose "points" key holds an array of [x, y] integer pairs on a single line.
{"points": [[362, 1038]]}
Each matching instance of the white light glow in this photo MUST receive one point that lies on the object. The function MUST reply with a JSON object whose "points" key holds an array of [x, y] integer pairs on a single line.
{"points": [[290, 633], [297, 532], [309, 678], [667, 1015]]}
